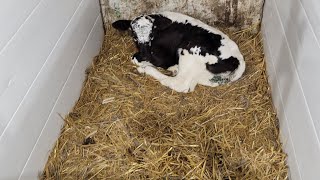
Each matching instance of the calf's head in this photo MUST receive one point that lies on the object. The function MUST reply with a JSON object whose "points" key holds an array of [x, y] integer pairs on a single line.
{"points": [[141, 28]]}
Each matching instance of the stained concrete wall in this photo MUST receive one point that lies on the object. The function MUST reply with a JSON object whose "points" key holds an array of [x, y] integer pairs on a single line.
{"points": [[237, 14]]}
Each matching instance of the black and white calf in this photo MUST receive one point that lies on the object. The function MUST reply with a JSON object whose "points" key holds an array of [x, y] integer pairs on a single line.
{"points": [[195, 52]]}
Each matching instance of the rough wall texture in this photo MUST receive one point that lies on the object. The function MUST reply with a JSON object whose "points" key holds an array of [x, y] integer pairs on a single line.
{"points": [[237, 14]]}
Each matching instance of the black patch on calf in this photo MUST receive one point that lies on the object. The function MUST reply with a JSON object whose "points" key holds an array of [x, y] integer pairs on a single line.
{"points": [[138, 57], [169, 36], [224, 65], [165, 47], [163, 57], [160, 22], [199, 37], [121, 25]]}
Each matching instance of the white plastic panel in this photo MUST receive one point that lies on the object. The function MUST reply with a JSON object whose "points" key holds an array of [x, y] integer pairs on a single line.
{"points": [[66, 99], [41, 75], [22, 60], [13, 14], [291, 52], [305, 51]]}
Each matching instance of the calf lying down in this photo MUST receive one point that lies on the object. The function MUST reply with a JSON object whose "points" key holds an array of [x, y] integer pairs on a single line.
{"points": [[195, 52]]}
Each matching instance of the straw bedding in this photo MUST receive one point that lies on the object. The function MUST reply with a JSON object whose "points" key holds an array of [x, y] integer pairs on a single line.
{"points": [[128, 126]]}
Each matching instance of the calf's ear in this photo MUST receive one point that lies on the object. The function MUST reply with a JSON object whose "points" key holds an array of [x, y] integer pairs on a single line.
{"points": [[121, 25]]}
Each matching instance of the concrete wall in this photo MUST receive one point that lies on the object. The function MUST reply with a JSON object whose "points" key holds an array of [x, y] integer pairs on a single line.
{"points": [[291, 31], [45, 47], [231, 13]]}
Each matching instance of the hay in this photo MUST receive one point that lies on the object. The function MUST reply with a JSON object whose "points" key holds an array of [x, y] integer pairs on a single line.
{"points": [[128, 126]]}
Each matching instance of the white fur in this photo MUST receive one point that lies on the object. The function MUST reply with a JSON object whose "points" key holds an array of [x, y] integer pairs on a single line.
{"points": [[195, 50], [191, 69], [143, 29], [174, 69], [211, 59]]}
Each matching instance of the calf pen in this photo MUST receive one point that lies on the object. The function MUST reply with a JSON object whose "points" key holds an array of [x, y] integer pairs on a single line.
{"points": [[126, 125]]}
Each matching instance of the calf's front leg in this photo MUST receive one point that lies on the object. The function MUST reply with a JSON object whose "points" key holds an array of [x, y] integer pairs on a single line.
{"points": [[177, 83]]}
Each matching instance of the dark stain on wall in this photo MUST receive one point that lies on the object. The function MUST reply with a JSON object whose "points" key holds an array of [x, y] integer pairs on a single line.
{"points": [[227, 12], [235, 10]]}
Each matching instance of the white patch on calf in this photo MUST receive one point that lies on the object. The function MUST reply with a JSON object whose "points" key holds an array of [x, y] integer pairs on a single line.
{"points": [[141, 64], [208, 58], [142, 26], [229, 48], [195, 50], [192, 71], [211, 59]]}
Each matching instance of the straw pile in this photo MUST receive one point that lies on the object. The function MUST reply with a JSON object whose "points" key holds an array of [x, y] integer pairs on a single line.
{"points": [[128, 126]]}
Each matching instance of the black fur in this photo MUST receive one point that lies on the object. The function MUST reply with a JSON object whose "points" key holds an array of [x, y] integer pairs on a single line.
{"points": [[169, 36], [121, 25], [225, 65]]}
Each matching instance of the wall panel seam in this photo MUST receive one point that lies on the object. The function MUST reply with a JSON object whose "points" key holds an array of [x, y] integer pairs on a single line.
{"points": [[22, 24], [309, 23]]}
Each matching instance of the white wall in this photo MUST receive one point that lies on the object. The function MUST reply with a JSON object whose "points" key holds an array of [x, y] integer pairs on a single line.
{"points": [[45, 47], [291, 31]]}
